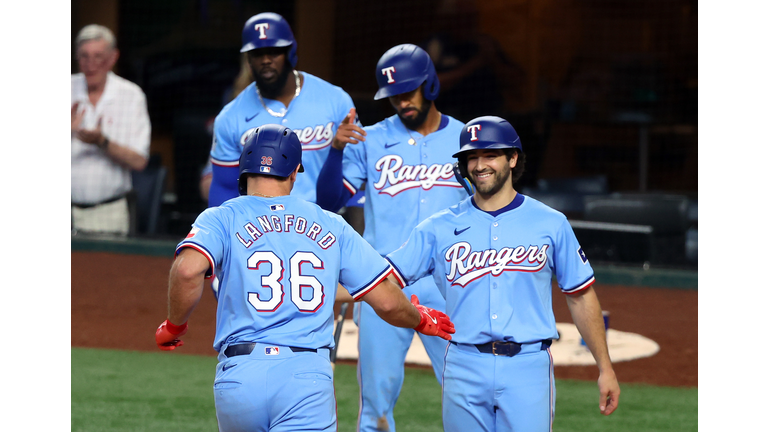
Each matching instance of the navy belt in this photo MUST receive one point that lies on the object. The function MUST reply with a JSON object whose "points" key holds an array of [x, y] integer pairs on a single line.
{"points": [[245, 349], [106, 201], [509, 349]]}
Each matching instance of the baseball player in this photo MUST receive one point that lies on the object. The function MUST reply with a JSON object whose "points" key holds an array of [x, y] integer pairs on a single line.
{"points": [[493, 256], [282, 95], [406, 162], [279, 259]]}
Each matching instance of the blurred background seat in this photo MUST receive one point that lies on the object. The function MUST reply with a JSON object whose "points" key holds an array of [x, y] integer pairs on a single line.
{"points": [[636, 228], [146, 199], [568, 194]]}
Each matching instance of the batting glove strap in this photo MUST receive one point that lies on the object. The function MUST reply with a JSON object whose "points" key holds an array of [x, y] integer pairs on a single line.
{"points": [[174, 329], [167, 335]]}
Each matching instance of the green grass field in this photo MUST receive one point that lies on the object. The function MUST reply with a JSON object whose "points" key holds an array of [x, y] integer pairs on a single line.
{"points": [[137, 391]]}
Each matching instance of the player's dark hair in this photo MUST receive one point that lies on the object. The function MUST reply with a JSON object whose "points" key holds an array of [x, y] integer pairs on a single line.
{"points": [[519, 169]]}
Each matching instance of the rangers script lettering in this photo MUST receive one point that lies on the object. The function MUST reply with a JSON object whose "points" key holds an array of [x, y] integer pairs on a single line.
{"points": [[401, 177], [319, 133], [472, 265]]}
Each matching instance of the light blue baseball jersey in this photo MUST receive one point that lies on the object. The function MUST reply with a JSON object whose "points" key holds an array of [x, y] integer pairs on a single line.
{"points": [[278, 261], [314, 115], [495, 272], [405, 183]]}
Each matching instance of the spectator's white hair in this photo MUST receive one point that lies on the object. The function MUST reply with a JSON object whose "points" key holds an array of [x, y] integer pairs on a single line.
{"points": [[95, 32]]}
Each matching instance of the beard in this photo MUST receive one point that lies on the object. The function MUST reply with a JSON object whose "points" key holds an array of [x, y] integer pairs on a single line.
{"points": [[271, 90], [421, 116], [499, 179]]}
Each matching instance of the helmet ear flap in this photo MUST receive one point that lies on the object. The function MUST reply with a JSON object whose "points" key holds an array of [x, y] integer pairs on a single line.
{"points": [[431, 88], [432, 84]]}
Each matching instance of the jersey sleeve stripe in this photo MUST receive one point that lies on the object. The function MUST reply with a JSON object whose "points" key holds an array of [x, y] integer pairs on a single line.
{"points": [[208, 274], [225, 163], [398, 274], [582, 286], [349, 186], [371, 285]]}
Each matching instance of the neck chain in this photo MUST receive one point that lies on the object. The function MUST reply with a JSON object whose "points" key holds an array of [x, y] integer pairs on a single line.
{"points": [[295, 95], [412, 140], [265, 196]]}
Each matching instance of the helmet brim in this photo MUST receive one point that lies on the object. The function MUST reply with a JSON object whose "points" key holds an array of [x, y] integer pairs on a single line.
{"points": [[398, 88], [481, 145]]}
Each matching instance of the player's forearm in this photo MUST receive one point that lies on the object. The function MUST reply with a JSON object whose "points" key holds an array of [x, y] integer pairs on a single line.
{"points": [[185, 286], [223, 185], [390, 303], [330, 190], [403, 314], [587, 316]]}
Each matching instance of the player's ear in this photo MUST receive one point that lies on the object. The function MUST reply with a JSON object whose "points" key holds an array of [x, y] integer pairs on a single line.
{"points": [[296, 172], [513, 158]]}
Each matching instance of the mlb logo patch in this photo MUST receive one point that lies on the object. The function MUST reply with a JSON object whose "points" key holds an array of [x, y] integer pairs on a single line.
{"points": [[193, 232], [272, 350], [583, 256], [277, 207], [265, 169]]}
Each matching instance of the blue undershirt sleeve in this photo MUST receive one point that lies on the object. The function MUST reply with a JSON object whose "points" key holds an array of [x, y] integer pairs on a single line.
{"points": [[223, 185], [331, 193]]}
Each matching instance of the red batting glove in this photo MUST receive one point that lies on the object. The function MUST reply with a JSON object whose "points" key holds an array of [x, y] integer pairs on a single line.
{"points": [[167, 335], [433, 322]]}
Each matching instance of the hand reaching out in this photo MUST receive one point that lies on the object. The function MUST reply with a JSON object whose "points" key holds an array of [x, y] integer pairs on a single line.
{"points": [[433, 322], [348, 132]]}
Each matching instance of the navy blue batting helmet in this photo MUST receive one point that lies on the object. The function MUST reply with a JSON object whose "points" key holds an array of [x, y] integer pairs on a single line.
{"points": [[404, 68], [271, 150], [487, 132], [267, 30]]}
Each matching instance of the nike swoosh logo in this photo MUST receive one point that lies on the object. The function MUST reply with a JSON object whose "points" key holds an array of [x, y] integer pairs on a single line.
{"points": [[391, 145], [229, 366], [247, 119], [456, 231]]}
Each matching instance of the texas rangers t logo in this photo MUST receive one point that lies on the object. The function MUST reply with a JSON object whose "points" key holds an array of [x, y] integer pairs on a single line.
{"points": [[262, 28], [388, 71], [473, 130]]}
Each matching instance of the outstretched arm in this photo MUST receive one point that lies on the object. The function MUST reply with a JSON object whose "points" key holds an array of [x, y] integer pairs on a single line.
{"points": [[390, 303], [587, 315], [223, 184], [330, 191], [185, 288]]}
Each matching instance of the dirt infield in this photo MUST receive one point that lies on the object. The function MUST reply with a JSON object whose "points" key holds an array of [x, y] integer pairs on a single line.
{"points": [[119, 300]]}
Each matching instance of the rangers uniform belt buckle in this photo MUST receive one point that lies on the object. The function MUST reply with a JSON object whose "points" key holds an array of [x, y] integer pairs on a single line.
{"points": [[505, 348]]}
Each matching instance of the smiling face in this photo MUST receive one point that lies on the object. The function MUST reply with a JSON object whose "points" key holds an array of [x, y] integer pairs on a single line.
{"points": [[96, 58], [412, 108], [270, 69], [490, 170]]}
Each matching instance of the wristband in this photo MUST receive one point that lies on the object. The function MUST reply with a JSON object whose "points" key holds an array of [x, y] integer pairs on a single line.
{"points": [[104, 143], [174, 329]]}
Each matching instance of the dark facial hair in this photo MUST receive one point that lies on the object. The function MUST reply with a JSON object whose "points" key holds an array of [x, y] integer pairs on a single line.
{"points": [[273, 90], [502, 178], [417, 121]]}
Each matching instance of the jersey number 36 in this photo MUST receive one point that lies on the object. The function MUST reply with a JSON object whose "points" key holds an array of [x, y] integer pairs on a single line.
{"points": [[297, 281]]}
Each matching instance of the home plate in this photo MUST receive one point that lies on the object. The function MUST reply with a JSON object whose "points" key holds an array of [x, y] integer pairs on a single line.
{"points": [[567, 351]]}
